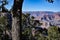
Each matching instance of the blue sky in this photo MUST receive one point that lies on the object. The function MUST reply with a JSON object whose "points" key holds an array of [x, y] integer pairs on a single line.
{"points": [[9, 5], [38, 5]]}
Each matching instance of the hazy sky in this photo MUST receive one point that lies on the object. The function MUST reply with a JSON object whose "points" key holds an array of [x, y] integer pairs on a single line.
{"points": [[38, 5]]}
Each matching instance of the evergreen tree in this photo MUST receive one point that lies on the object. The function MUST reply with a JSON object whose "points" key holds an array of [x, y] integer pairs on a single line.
{"points": [[53, 33]]}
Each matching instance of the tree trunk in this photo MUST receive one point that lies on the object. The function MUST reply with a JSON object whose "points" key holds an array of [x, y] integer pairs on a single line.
{"points": [[16, 20], [15, 29]]}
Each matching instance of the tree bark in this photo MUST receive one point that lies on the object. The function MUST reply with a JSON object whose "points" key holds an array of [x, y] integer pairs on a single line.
{"points": [[16, 20], [15, 29]]}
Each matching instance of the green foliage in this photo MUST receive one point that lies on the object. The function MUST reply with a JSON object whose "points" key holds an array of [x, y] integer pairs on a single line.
{"points": [[53, 33], [26, 24], [2, 25], [3, 20], [50, 1]]}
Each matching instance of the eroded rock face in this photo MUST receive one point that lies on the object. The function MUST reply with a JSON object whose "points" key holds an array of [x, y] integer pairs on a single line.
{"points": [[48, 20]]}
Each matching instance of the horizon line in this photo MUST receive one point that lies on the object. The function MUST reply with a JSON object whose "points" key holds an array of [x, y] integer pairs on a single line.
{"points": [[40, 11]]}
